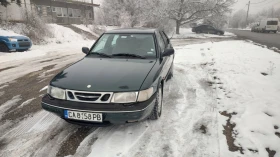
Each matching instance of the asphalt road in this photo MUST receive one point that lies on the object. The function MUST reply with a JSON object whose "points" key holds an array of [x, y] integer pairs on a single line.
{"points": [[268, 39]]}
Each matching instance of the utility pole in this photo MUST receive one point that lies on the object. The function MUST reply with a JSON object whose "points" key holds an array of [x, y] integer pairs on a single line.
{"points": [[247, 13], [26, 12]]}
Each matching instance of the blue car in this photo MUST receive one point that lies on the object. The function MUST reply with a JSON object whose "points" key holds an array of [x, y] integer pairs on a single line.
{"points": [[14, 43]]}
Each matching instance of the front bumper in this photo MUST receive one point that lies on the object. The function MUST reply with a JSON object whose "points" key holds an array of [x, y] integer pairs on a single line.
{"points": [[19, 45], [112, 113]]}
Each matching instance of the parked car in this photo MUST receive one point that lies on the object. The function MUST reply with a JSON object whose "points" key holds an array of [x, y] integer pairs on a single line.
{"points": [[120, 80], [269, 25], [14, 43], [207, 29]]}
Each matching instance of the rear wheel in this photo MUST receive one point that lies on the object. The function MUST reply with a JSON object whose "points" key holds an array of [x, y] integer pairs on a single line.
{"points": [[156, 113], [3, 48]]}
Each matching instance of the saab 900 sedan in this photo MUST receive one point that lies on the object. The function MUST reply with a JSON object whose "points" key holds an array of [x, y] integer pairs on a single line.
{"points": [[120, 80]]}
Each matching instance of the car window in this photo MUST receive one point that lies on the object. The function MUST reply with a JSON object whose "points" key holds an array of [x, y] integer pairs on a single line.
{"points": [[137, 44], [160, 42], [101, 43], [272, 22], [164, 38], [210, 27]]}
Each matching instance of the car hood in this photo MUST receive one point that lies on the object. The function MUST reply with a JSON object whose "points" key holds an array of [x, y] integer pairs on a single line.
{"points": [[18, 37], [104, 74]]}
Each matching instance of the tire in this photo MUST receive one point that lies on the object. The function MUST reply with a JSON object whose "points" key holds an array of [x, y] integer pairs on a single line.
{"points": [[3, 48], [157, 110]]}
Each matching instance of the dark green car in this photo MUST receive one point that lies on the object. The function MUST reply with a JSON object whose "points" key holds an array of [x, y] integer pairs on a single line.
{"points": [[120, 80]]}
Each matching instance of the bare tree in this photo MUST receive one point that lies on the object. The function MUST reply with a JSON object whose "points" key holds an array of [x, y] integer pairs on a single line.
{"points": [[187, 11], [217, 20]]}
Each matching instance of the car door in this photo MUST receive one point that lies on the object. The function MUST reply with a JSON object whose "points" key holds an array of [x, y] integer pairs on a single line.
{"points": [[168, 44], [210, 30], [163, 45], [204, 29]]}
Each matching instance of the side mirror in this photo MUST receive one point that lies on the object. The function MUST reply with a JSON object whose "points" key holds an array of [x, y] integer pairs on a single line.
{"points": [[85, 50], [168, 52]]}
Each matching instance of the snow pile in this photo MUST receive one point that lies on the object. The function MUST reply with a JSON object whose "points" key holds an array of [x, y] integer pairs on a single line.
{"points": [[88, 28], [8, 33], [64, 35], [246, 79], [187, 33]]}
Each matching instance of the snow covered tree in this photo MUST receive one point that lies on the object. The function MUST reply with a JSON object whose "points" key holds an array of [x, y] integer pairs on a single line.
{"points": [[131, 13], [217, 20], [188, 11], [5, 3], [238, 20]]}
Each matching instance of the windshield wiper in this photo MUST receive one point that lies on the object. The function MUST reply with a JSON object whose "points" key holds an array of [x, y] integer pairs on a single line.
{"points": [[129, 55], [101, 54]]}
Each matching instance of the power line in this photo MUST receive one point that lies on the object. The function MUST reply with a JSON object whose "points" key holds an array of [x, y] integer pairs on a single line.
{"points": [[264, 4], [259, 2], [247, 13]]}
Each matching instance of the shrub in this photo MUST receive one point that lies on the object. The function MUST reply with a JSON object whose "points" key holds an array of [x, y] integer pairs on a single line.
{"points": [[35, 28]]}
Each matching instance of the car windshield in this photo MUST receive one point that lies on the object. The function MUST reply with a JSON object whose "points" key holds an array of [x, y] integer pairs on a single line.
{"points": [[272, 22], [126, 45]]}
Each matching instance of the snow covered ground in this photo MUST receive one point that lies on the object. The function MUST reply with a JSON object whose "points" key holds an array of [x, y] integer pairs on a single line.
{"points": [[223, 101], [65, 42], [187, 33]]}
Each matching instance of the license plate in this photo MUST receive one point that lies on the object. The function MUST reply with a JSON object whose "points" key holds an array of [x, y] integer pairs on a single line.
{"points": [[86, 116]]}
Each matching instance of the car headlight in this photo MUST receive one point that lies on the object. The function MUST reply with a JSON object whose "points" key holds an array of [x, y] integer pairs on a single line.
{"points": [[56, 92], [125, 97], [12, 39], [145, 94], [128, 97]]}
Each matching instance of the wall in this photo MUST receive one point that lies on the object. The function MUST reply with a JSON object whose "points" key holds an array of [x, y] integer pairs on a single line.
{"points": [[13, 12]]}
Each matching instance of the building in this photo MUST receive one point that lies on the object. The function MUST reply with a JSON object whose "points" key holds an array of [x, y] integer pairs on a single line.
{"points": [[53, 11]]}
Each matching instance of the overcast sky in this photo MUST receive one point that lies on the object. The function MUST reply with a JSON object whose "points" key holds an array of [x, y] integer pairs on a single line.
{"points": [[258, 6]]}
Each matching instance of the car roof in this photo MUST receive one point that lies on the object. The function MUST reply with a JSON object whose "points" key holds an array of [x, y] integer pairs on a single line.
{"points": [[133, 30]]}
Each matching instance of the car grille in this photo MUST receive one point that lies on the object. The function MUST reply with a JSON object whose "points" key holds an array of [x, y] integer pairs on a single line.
{"points": [[90, 97], [24, 44]]}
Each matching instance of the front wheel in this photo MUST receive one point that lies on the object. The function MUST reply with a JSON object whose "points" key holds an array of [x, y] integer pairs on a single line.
{"points": [[157, 110], [3, 48]]}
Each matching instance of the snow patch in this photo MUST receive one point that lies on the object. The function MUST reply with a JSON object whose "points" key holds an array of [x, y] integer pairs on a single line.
{"points": [[9, 104], [8, 33], [45, 88]]}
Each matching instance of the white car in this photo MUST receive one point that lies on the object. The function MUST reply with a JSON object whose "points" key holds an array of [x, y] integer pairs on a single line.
{"points": [[269, 25]]}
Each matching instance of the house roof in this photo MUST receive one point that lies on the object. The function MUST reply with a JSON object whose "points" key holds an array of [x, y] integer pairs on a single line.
{"points": [[80, 2], [133, 30]]}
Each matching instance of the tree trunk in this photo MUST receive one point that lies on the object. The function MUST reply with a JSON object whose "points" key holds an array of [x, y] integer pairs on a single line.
{"points": [[177, 27]]}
